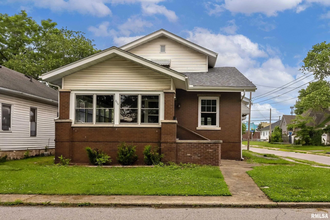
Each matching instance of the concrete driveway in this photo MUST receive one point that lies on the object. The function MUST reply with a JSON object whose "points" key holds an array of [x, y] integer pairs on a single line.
{"points": [[311, 157]]}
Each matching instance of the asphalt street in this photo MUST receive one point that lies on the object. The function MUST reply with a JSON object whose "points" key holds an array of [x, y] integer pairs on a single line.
{"points": [[81, 213], [311, 157]]}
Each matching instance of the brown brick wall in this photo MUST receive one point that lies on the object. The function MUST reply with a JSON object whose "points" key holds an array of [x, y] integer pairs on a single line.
{"points": [[64, 104], [169, 105], [230, 120], [198, 153]]}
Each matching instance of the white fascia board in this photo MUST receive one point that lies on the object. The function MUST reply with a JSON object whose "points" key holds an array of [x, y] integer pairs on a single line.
{"points": [[61, 72], [171, 36]]}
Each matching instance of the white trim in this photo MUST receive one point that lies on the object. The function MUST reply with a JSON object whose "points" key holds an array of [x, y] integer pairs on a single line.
{"points": [[208, 127], [11, 117], [116, 108], [211, 128]]}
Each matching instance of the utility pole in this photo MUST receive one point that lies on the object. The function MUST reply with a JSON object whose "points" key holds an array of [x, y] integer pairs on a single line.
{"points": [[270, 121], [248, 143]]}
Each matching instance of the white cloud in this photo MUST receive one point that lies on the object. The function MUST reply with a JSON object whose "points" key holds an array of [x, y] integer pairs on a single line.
{"points": [[260, 22], [120, 41], [269, 7], [260, 112], [133, 25], [101, 30], [231, 28], [326, 15], [214, 9], [93, 7], [233, 50], [152, 9]]}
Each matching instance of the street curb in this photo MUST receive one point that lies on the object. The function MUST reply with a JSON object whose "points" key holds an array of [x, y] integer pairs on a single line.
{"points": [[170, 205]]}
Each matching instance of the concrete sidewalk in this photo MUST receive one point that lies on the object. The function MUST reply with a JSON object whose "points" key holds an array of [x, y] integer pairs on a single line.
{"points": [[311, 157], [245, 193]]}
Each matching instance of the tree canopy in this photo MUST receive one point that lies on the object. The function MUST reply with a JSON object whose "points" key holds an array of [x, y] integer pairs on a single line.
{"points": [[315, 96], [33, 49], [317, 60]]}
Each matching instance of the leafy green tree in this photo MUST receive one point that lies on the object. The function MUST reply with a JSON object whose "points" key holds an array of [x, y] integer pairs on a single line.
{"points": [[243, 128], [276, 135], [307, 134], [33, 49], [315, 96], [317, 60], [259, 127]]}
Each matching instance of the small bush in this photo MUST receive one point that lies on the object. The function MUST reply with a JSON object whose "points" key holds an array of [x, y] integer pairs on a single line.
{"points": [[151, 155], [3, 159], [97, 156], [64, 161], [126, 154], [26, 154]]}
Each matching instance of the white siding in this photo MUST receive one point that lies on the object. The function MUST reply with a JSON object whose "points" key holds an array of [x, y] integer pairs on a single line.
{"points": [[19, 137], [117, 73], [183, 59]]}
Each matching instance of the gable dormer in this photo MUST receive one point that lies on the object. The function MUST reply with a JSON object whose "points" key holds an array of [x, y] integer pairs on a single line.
{"points": [[172, 51]]}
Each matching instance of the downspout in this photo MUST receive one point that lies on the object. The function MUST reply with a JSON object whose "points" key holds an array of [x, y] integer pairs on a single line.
{"points": [[58, 96]]}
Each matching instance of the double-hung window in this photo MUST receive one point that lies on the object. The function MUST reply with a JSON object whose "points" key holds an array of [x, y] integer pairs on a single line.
{"points": [[84, 108], [104, 109], [117, 108], [208, 112], [6, 117]]}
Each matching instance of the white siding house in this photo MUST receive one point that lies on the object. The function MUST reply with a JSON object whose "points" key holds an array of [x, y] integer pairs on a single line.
{"points": [[27, 111]]}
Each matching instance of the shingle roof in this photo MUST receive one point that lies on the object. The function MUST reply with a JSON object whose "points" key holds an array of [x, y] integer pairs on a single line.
{"points": [[219, 77], [10, 79], [273, 126], [289, 118]]}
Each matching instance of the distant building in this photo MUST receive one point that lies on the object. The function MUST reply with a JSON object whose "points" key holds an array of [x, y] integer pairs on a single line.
{"points": [[252, 126], [264, 132]]}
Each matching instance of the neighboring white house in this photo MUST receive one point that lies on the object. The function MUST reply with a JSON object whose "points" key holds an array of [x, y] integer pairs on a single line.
{"points": [[27, 111], [264, 132]]}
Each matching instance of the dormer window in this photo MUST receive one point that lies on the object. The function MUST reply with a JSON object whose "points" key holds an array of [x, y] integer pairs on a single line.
{"points": [[162, 48]]}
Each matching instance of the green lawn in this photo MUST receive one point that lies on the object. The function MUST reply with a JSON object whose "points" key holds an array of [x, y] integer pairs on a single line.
{"points": [[289, 147], [284, 181], [297, 183], [40, 176]]}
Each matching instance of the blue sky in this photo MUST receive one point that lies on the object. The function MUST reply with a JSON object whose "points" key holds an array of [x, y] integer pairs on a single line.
{"points": [[265, 40]]}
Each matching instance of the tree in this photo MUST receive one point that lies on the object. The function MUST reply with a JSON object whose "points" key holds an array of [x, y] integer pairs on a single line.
{"points": [[276, 135], [243, 128], [259, 127], [33, 49], [317, 61], [315, 97], [307, 134]]}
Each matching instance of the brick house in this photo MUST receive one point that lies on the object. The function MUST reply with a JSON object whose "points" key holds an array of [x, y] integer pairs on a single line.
{"points": [[161, 90]]}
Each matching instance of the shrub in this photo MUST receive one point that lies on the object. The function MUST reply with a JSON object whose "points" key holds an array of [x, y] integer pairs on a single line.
{"points": [[126, 154], [97, 156], [26, 154], [64, 161], [3, 159], [151, 155], [276, 135]]}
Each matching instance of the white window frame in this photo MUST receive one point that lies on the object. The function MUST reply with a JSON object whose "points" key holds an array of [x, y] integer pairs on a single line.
{"points": [[160, 48], [11, 117], [116, 108], [209, 127]]}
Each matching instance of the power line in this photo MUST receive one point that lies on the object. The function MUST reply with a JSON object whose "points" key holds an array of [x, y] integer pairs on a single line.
{"points": [[285, 92], [283, 86]]}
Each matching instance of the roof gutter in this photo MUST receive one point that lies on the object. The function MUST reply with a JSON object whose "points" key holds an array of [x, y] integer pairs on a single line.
{"points": [[28, 96], [220, 89]]}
